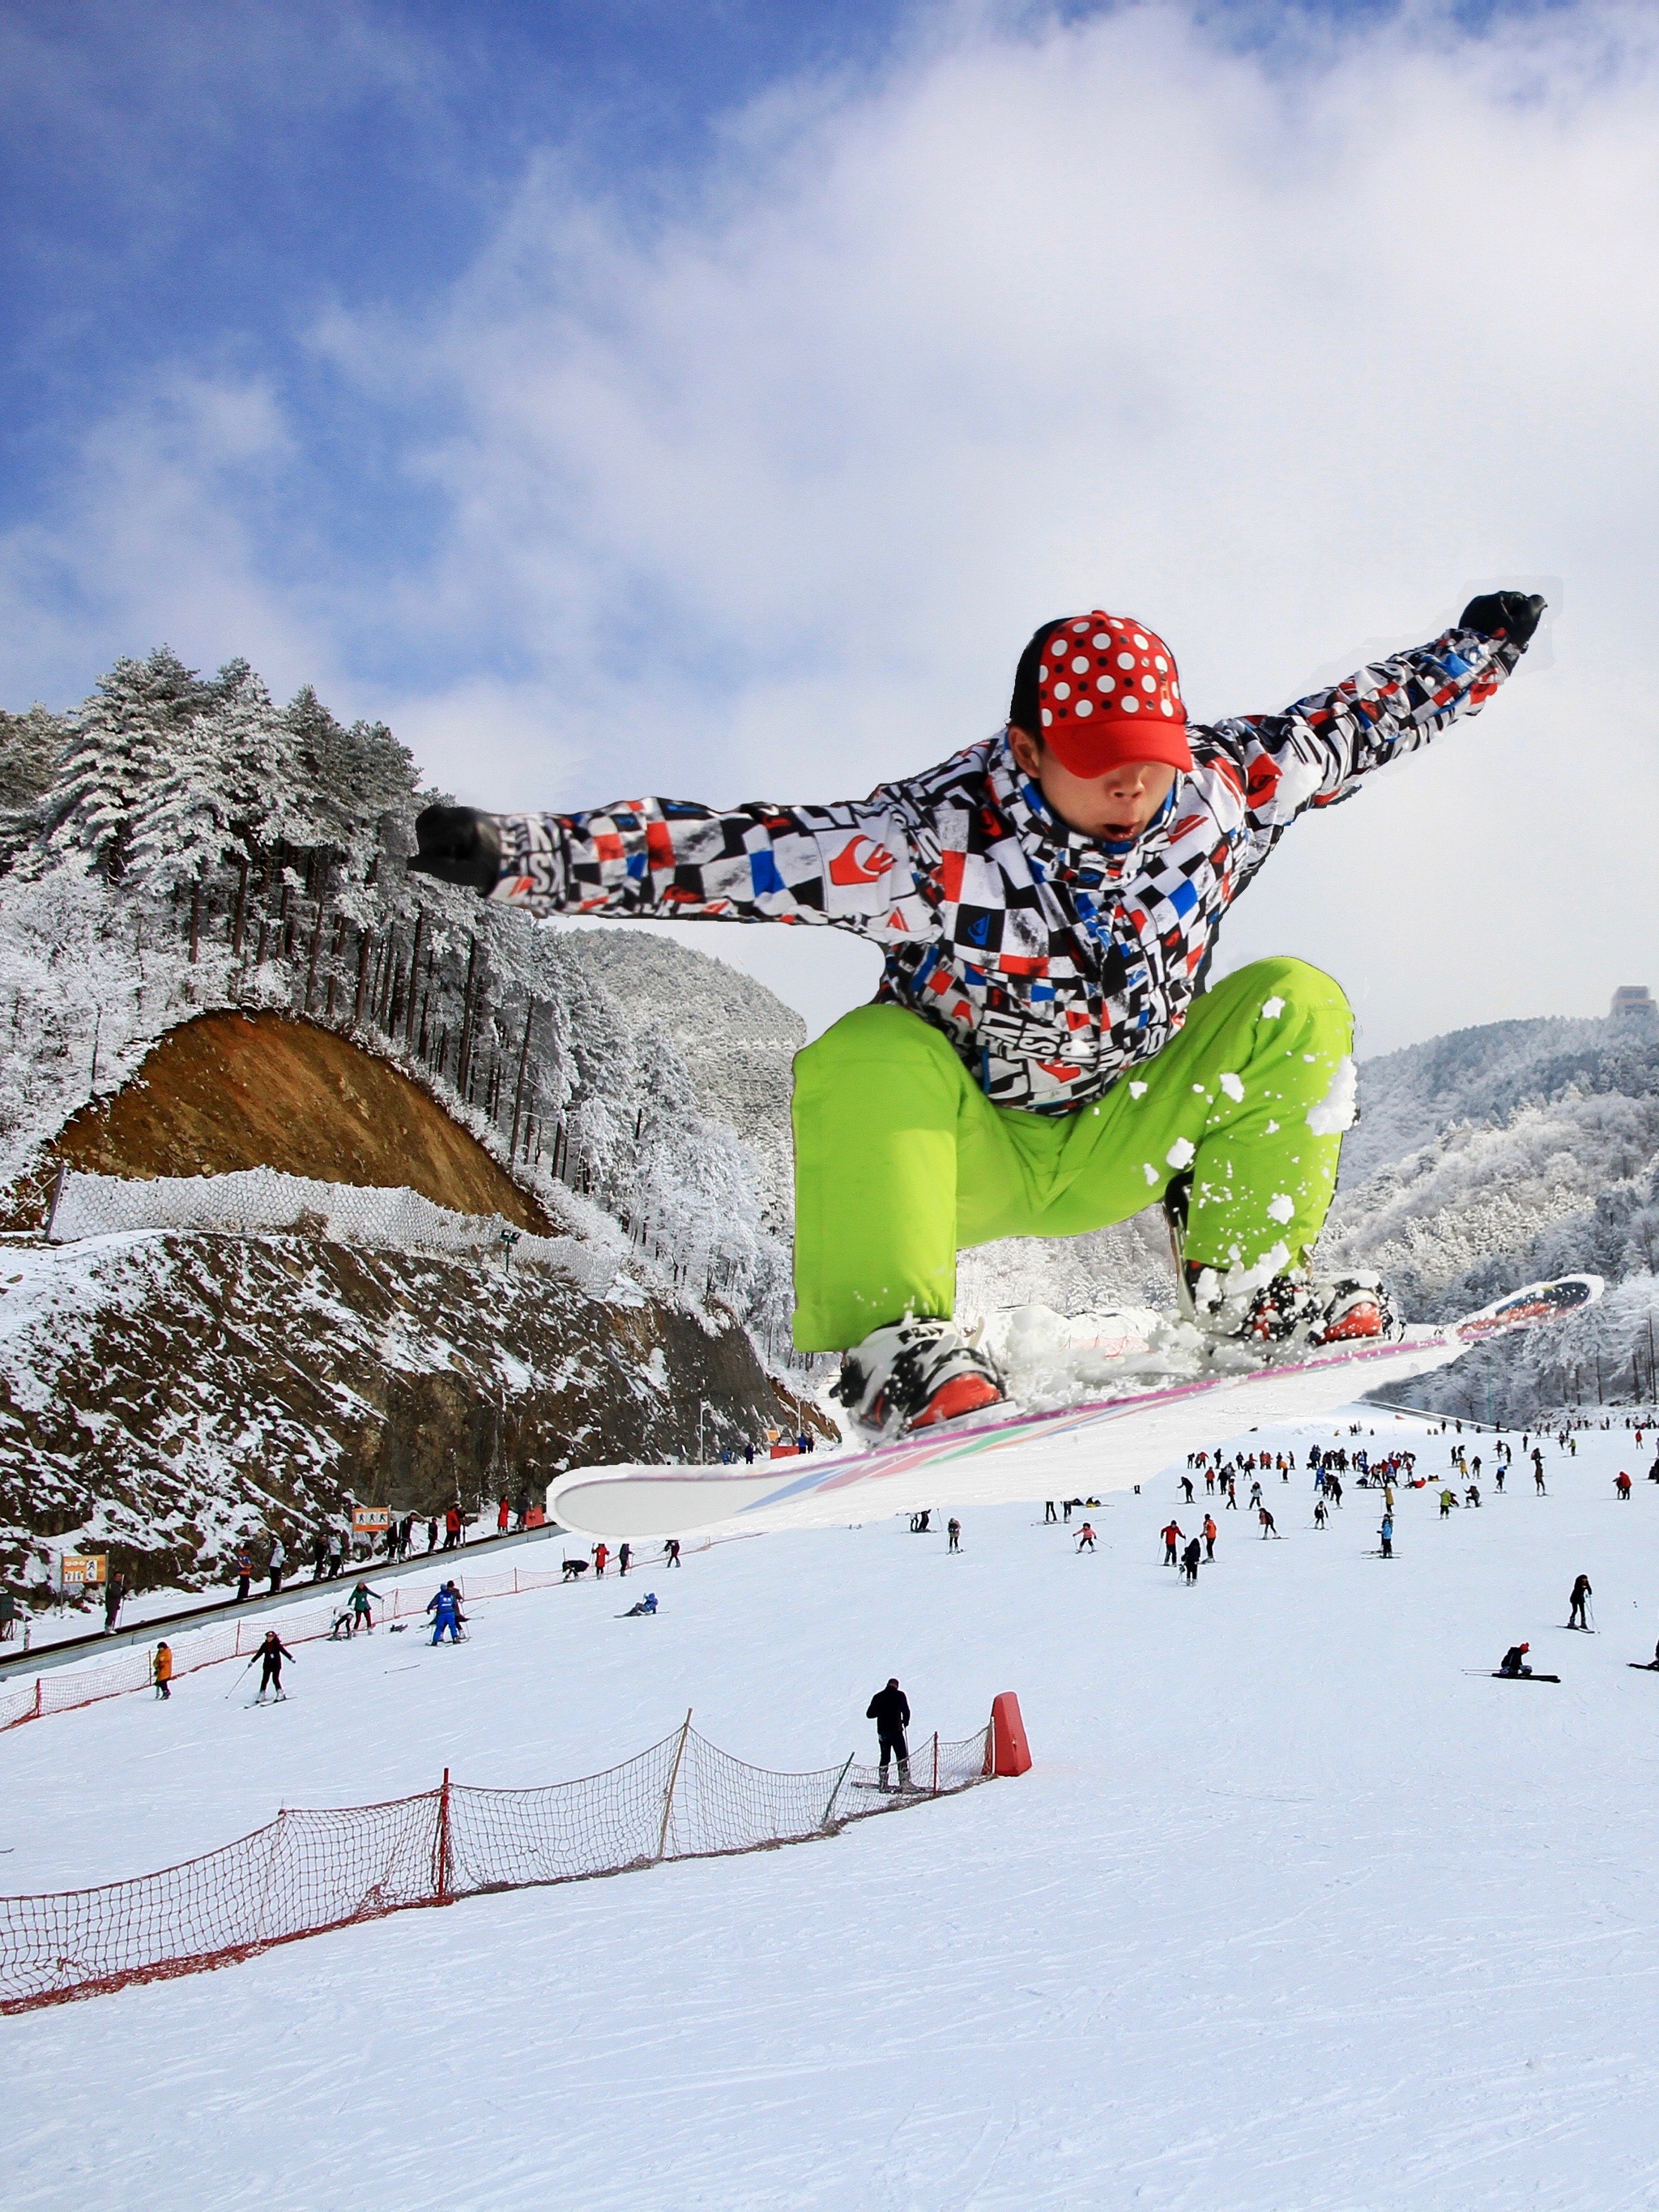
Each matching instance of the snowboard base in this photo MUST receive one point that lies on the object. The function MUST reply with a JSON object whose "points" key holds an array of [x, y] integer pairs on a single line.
{"points": [[1004, 1456]]}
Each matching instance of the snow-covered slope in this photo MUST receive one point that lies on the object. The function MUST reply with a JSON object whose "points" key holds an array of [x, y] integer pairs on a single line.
{"points": [[1299, 1910]]}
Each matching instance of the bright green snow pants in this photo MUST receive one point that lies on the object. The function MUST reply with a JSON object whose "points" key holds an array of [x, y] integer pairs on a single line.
{"points": [[901, 1160]]}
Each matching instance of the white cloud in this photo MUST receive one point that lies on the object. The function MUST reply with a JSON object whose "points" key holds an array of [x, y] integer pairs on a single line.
{"points": [[1286, 354]]}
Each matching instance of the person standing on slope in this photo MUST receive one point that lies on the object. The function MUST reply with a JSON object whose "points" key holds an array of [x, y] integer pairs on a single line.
{"points": [[1042, 1058], [1386, 1532], [1209, 1534], [271, 1654], [1189, 1559], [445, 1607], [1577, 1616], [1171, 1533], [890, 1708]]}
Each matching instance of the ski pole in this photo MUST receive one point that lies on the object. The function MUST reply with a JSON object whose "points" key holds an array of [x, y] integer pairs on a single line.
{"points": [[242, 1677]]}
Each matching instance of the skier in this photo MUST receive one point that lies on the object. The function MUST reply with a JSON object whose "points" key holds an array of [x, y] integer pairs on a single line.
{"points": [[271, 1654], [1049, 1514], [646, 1605], [1621, 1484], [1187, 1485], [1172, 1534], [1576, 1617], [1320, 1515], [671, 1551], [953, 1530], [1267, 1526], [1498, 1473], [1210, 1532], [1085, 1538], [1472, 1496], [890, 1708], [601, 1553], [1189, 1559], [1513, 1662], [446, 1605], [1047, 901], [624, 1554], [1447, 1501], [361, 1615], [1386, 1532], [162, 1670]]}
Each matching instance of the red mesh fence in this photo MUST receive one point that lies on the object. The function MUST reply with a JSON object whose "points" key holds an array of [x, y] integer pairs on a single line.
{"points": [[306, 1872]]}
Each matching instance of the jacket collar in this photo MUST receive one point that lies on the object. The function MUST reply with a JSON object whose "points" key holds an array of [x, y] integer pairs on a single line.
{"points": [[1057, 848]]}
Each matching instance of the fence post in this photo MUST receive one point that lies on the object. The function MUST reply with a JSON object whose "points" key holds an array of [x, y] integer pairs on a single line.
{"points": [[829, 1808], [440, 1889], [673, 1776]]}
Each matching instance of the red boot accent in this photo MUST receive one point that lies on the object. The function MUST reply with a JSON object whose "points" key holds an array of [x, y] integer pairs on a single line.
{"points": [[963, 1393], [1358, 1321]]}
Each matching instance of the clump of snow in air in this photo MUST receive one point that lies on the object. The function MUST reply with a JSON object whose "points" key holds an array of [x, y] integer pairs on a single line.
{"points": [[1338, 1109], [1281, 1207], [1233, 1085], [1271, 1009], [1182, 1153], [1137, 1090]]}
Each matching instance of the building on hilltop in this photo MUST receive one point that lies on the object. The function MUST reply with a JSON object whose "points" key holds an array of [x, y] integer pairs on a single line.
{"points": [[1632, 999]]}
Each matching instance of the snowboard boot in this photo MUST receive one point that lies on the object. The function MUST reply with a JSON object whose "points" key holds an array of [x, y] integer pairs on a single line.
{"points": [[1292, 1309], [912, 1374]]}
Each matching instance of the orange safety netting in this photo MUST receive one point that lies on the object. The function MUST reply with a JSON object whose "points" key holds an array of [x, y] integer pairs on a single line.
{"points": [[308, 1871]]}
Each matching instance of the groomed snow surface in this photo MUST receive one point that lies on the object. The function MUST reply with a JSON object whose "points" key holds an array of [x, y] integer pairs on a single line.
{"points": [[1293, 1912]]}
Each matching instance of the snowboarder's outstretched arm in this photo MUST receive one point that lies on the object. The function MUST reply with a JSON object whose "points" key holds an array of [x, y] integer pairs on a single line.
{"points": [[847, 864], [1316, 751]]}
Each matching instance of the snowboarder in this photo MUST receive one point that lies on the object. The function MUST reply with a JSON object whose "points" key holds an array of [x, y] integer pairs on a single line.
{"points": [[162, 1670], [1172, 1534], [890, 1708], [1047, 901], [953, 1530], [271, 1654], [647, 1604], [671, 1551], [1576, 1617], [1209, 1534], [1189, 1559], [1513, 1662], [445, 1606], [1621, 1484], [1085, 1538]]}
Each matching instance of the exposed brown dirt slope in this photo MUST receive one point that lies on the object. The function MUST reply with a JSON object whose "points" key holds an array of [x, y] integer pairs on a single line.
{"points": [[237, 1090]]}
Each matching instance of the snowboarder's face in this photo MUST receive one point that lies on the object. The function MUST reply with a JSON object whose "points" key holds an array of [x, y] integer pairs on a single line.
{"points": [[1117, 806]]}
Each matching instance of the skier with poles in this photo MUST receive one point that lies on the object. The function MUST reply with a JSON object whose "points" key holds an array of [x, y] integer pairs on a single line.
{"points": [[1046, 901], [1386, 1533], [1172, 1534], [1576, 1615], [361, 1616], [270, 1655], [1189, 1559], [890, 1708]]}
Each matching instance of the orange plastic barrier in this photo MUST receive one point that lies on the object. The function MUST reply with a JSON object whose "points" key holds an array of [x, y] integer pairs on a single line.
{"points": [[1009, 1753]]}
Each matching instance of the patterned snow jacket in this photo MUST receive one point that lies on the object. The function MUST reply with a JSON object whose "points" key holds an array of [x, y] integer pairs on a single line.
{"points": [[1051, 962]]}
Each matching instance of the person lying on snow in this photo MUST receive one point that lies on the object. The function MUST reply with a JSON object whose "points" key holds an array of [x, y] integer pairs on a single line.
{"points": [[1040, 1059]]}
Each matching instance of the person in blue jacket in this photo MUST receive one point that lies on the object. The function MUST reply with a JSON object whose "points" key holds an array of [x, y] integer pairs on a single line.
{"points": [[447, 1605]]}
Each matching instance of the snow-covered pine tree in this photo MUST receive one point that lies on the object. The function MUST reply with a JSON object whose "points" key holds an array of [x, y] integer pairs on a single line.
{"points": [[116, 748]]}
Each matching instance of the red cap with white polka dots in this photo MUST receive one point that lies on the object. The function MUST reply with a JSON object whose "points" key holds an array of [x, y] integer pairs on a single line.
{"points": [[1109, 694]]}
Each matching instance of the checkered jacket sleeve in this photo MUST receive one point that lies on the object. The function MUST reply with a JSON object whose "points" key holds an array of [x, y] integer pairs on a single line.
{"points": [[853, 867], [1316, 751]]}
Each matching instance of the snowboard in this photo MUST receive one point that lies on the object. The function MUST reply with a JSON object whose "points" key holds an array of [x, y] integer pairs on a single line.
{"points": [[1006, 1456]]}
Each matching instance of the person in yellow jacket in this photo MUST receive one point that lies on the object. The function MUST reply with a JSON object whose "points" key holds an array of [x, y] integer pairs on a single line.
{"points": [[162, 1670]]}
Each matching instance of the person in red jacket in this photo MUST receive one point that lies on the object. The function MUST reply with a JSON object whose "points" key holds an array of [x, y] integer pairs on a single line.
{"points": [[1209, 1537], [1172, 1534], [601, 1553], [1621, 1484]]}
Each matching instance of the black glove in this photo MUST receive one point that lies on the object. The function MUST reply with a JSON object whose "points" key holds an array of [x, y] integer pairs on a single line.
{"points": [[457, 845], [1503, 614]]}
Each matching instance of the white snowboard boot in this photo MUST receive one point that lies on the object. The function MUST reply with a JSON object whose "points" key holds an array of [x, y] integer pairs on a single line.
{"points": [[912, 1374]]}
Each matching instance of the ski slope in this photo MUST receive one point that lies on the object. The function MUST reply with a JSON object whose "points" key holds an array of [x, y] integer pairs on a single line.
{"points": [[1293, 1912]]}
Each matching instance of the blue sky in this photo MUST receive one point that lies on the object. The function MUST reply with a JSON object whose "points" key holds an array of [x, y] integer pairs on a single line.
{"points": [[709, 398]]}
